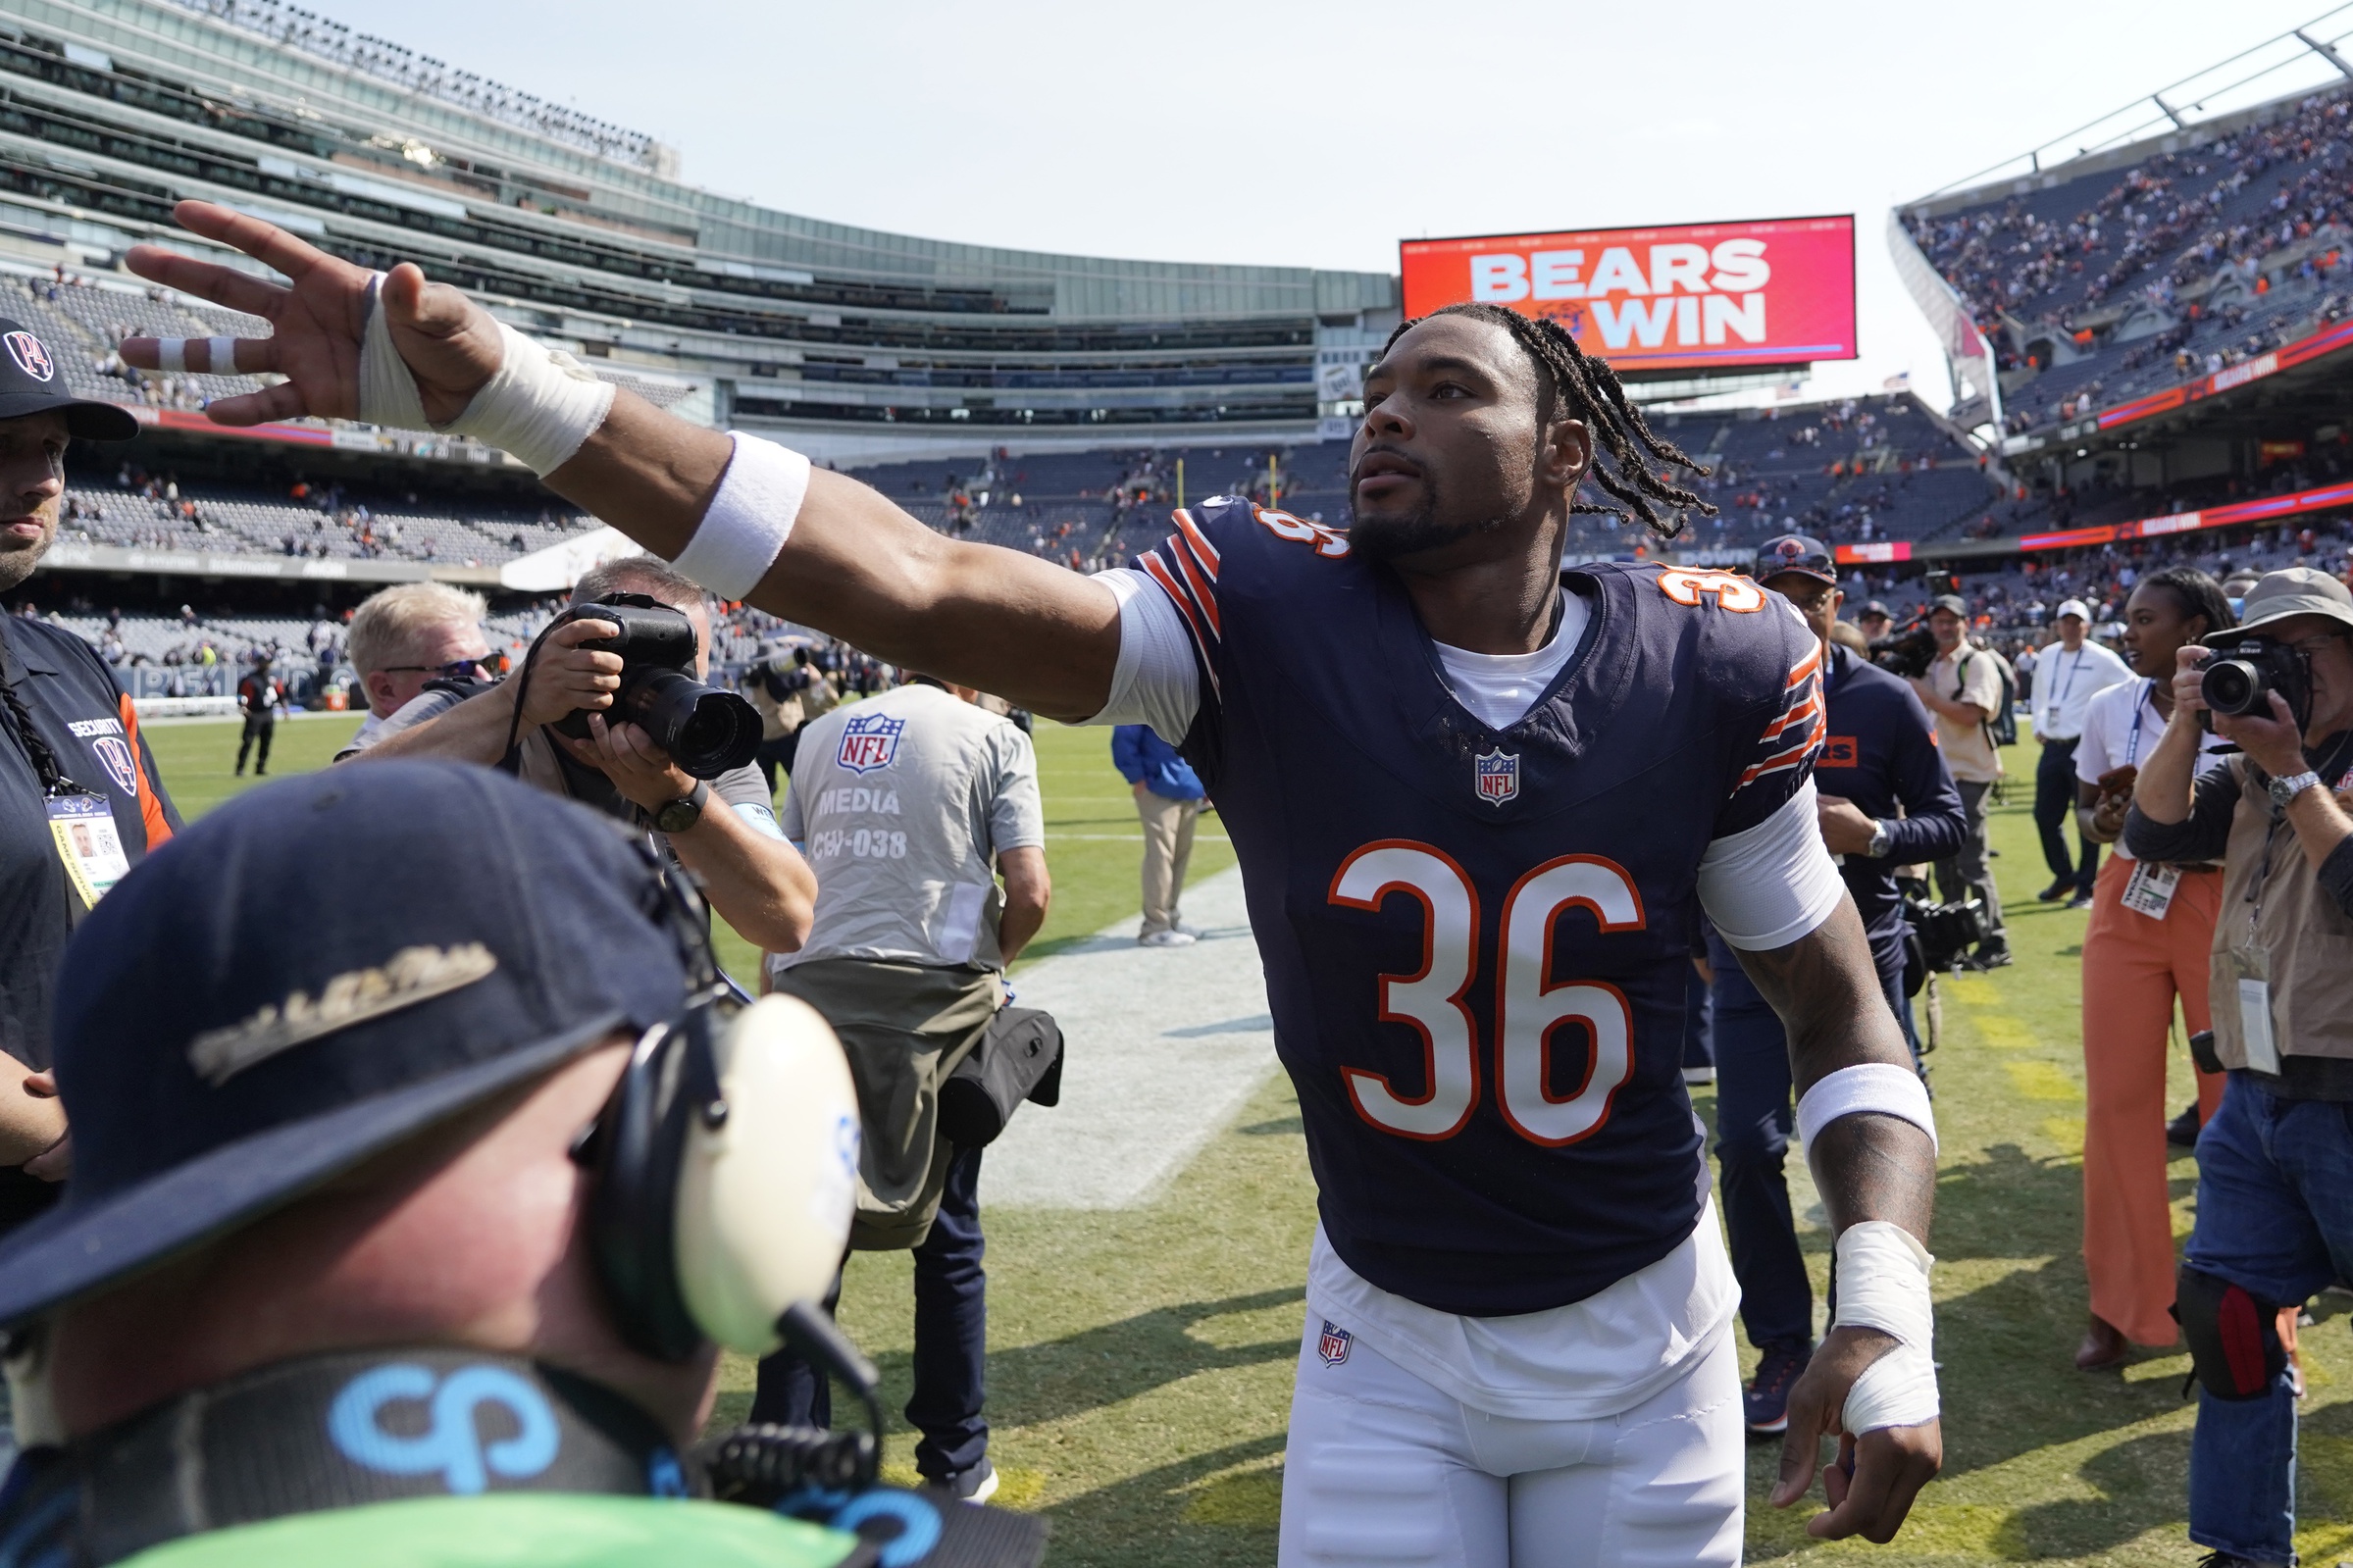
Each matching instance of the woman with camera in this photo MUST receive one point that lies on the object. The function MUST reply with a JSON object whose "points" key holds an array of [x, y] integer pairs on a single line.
{"points": [[2152, 925]]}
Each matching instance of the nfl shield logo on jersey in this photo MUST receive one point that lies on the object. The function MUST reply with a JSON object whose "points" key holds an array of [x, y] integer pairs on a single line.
{"points": [[1498, 776], [31, 355], [869, 741], [1333, 1343]]}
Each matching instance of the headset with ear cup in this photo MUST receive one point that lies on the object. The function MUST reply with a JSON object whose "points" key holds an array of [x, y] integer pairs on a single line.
{"points": [[724, 1163], [725, 1170]]}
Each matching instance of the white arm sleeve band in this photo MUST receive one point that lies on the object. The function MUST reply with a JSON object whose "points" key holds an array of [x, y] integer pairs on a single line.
{"points": [[1768, 886], [1883, 1285], [748, 520], [1881, 1087], [1155, 681]]}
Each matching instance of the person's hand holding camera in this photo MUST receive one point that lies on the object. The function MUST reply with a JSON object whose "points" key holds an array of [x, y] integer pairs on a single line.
{"points": [[624, 753], [2275, 744], [2189, 683], [565, 676]]}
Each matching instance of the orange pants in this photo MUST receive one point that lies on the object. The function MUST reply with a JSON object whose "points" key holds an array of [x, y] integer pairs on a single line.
{"points": [[2134, 967]]}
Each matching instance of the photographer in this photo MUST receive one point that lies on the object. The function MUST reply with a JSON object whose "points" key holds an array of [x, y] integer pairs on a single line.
{"points": [[723, 831], [1963, 687], [789, 692], [407, 634], [1886, 801], [2274, 1215], [912, 802]]}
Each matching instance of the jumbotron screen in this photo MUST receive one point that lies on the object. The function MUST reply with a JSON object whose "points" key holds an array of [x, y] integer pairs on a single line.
{"points": [[1690, 296]]}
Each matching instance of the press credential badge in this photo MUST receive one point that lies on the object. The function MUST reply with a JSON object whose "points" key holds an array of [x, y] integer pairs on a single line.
{"points": [[88, 843], [2149, 890]]}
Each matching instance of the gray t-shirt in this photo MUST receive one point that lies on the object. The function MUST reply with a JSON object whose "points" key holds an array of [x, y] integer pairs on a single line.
{"points": [[743, 789], [899, 803]]}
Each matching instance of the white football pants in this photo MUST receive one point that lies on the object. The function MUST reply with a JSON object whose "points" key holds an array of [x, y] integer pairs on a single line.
{"points": [[1384, 1469]]}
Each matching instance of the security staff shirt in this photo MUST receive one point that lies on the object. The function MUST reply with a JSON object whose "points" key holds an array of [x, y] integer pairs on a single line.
{"points": [[94, 732]]}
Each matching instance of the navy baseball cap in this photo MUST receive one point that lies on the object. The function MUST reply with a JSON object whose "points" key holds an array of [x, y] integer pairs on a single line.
{"points": [[1874, 607], [32, 380], [314, 974], [1795, 552]]}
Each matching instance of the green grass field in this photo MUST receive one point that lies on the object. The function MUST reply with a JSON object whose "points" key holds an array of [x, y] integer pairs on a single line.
{"points": [[1140, 1362]]}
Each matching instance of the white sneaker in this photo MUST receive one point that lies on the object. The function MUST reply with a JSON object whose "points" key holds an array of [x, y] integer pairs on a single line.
{"points": [[1166, 938], [1187, 926]]}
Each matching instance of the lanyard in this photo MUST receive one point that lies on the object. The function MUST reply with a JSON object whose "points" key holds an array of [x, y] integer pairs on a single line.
{"points": [[2132, 743], [52, 773], [2059, 703]]}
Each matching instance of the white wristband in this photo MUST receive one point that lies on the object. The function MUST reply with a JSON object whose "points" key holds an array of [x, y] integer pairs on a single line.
{"points": [[1883, 1285], [748, 520], [539, 406], [1881, 1087]]}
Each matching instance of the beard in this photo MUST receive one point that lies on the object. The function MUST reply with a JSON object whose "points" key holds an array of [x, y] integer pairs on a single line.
{"points": [[1388, 538], [17, 560]]}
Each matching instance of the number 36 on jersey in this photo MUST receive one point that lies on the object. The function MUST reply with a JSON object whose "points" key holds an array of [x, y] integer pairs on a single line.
{"points": [[1528, 1010]]}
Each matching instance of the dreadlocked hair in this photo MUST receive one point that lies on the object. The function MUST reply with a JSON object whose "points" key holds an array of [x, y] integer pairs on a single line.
{"points": [[1588, 390]]}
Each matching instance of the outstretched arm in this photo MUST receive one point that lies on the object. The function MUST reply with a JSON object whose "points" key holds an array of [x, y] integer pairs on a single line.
{"points": [[1868, 1166], [855, 565]]}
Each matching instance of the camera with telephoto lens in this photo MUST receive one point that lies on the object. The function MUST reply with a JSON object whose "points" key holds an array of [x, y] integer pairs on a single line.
{"points": [[2239, 677], [1945, 932], [706, 731], [1907, 653]]}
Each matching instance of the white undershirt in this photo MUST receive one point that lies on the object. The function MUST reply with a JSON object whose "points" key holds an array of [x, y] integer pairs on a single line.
{"points": [[1763, 887]]}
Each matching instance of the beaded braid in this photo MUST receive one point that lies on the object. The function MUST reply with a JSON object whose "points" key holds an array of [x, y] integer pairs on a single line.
{"points": [[1591, 392]]}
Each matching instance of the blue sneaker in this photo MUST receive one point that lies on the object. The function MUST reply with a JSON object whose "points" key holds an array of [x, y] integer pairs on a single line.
{"points": [[1765, 1403]]}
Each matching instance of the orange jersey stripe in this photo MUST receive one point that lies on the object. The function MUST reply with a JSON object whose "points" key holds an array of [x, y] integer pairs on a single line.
{"points": [[157, 825]]}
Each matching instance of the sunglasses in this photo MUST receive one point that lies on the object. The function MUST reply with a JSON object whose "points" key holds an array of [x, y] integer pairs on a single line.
{"points": [[454, 669]]}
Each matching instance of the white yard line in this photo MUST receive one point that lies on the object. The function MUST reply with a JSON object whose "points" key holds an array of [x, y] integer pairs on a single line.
{"points": [[1164, 1043]]}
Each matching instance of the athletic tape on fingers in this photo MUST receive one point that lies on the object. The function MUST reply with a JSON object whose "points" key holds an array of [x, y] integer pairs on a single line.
{"points": [[1883, 1285], [171, 355], [220, 356], [749, 521]]}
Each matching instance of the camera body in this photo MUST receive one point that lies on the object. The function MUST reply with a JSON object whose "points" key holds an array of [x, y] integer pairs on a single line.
{"points": [[2240, 675], [1945, 932], [1907, 652], [706, 731]]}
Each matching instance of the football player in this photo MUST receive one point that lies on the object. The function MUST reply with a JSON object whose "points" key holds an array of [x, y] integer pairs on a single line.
{"points": [[1474, 797]]}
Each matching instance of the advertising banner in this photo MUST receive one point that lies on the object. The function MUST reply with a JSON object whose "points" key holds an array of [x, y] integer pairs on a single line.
{"points": [[1691, 296]]}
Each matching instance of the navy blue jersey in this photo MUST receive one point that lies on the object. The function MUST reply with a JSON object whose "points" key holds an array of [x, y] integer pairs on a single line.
{"points": [[1880, 752], [1475, 939]]}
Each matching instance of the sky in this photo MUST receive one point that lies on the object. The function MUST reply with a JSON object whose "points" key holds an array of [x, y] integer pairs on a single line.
{"points": [[1320, 135]]}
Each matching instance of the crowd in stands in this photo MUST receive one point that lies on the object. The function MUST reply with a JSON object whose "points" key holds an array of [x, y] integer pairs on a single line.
{"points": [[2180, 265]]}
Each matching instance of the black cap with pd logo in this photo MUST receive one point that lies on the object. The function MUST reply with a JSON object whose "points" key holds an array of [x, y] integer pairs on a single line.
{"points": [[32, 380]]}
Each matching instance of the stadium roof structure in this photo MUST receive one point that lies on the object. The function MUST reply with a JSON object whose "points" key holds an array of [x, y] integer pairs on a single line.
{"points": [[859, 342]]}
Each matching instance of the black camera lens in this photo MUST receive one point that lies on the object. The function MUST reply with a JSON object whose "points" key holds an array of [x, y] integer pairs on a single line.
{"points": [[2232, 687], [706, 732]]}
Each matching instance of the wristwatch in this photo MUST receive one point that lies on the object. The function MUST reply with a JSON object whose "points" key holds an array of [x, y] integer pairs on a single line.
{"points": [[2286, 789], [1879, 844], [679, 815]]}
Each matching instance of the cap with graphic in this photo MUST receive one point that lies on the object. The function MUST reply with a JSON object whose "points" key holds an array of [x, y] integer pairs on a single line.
{"points": [[2296, 591], [316, 972], [32, 380], [1795, 552]]}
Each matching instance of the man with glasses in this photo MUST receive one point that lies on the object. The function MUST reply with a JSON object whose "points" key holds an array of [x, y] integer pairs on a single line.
{"points": [[2275, 1210], [407, 636], [1885, 801]]}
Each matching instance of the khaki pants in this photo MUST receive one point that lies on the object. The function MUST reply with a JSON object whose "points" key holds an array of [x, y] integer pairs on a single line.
{"points": [[1167, 846]]}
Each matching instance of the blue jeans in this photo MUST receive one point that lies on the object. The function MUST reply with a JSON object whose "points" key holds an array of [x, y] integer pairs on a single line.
{"points": [[2275, 1217], [952, 1341], [1755, 1112]]}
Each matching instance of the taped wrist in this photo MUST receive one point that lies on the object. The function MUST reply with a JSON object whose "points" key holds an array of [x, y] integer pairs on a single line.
{"points": [[539, 406], [1879, 1087], [748, 520], [1883, 1285]]}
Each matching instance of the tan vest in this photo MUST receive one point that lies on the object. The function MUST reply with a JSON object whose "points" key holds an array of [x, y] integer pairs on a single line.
{"points": [[2308, 937]]}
